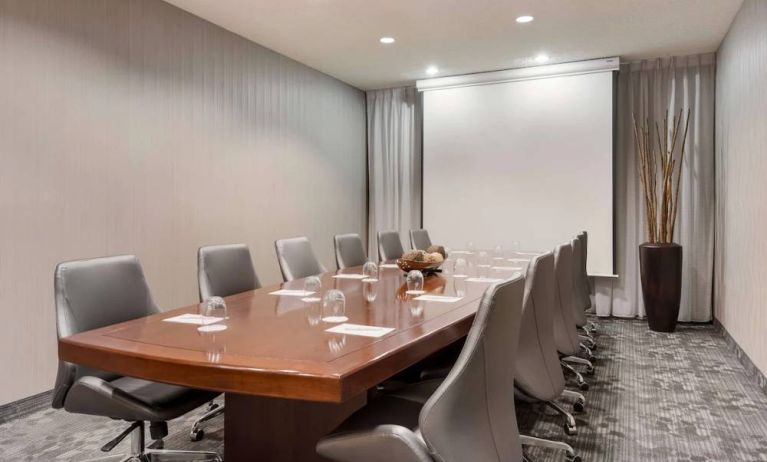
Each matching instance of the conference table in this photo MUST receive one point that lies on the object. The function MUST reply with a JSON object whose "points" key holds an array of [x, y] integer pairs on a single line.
{"points": [[286, 380]]}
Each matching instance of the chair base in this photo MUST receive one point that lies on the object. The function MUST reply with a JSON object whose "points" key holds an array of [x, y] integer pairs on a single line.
{"points": [[139, 452], [549, 444], [197, 433], [582, 384], [581, 362]]}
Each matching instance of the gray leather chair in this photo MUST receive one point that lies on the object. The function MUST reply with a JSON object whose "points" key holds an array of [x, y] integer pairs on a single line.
{"points": [[389, 245], [419, 239], [565, 332], [222, 270], [101, 292], [581, 297], [349, 250], [297, 259], [469, 417], [584, 237], [538, 375]]}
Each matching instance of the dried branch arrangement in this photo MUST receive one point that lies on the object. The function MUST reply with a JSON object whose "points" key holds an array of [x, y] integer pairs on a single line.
{"points": [[659, 162]]}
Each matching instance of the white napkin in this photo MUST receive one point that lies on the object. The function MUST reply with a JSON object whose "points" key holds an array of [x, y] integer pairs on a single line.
{"points": [[358, 329], [349, 276], [438, 298], [292, 293], [196, 319]]}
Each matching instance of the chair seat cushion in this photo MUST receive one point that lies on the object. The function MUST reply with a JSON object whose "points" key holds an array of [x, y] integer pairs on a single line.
{"points": [[385, 430], [133, 399]]}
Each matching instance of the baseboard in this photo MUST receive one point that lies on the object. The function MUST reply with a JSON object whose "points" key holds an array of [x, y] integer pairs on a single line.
{"points": [[750, 367], [25, 406]]}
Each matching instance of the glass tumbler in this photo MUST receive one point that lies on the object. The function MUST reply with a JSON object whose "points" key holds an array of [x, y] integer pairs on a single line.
{"points": [[312, 284], [334, 306], [414, 282], [213, 312]]}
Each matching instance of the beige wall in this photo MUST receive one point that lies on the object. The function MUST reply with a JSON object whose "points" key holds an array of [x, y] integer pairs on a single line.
{"points": [[741, 145], [129, 126]]}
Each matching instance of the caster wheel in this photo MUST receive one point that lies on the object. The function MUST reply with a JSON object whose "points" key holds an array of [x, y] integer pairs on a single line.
{"points": [[573, 458], [578, 407], [197, 436], [590, 371], [583, 386], [571, 431]]}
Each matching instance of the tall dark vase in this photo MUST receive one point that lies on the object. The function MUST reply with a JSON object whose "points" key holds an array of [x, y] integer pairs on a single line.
{"points": [[661, 268]]}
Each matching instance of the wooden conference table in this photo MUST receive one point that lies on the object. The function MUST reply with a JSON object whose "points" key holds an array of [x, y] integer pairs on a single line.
{"points": [[286, 381]]}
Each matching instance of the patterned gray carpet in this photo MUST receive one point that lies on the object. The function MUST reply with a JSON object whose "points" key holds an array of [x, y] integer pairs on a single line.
{"points": [[659, 397]]}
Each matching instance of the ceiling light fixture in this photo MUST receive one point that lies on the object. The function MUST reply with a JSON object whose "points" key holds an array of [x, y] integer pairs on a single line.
{"points": [[386, 40], [542, 58], [524, 19], [432, 70]]}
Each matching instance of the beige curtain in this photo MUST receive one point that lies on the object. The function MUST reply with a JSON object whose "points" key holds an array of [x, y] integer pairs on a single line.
{"points": [[649, 89], [394, 163]]}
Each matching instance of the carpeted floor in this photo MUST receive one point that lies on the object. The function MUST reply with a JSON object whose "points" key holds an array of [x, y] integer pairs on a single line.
{"points": [[654, 397]]}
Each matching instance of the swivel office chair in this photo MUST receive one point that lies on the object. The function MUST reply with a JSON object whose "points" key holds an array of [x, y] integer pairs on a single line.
{"points": [[222, 270], [389, 245], [101, 292], [565, 333], [297, 259], [349, 250], [419, 239], [470, 416], [538, 375]]}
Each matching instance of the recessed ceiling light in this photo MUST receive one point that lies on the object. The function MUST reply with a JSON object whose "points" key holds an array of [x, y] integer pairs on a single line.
{"points": [[524, 19], [386, 40], [432, 70], [542, 58]]}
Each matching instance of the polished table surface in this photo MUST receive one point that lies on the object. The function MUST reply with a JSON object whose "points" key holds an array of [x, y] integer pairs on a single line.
{"points": [[277, 346]]}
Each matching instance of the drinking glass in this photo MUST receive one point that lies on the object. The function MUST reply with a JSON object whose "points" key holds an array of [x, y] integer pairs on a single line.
{"points": [[370, 270], [483, 265], [414, 282], [515, 246], [470, 246], [498, 253], [334, 306], [459, 286], [214, 312], [312, 284], [460, 268], [370, 289]]}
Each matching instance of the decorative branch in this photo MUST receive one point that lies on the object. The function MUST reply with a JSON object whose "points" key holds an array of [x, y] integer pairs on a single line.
{"points": [[657, 170]]}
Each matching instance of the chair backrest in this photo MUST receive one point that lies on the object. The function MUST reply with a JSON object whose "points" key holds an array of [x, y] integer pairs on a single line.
{"points": [[224, 270], [579, 296], [565, 330], [584, 273], [349, 250], [471, 416], [297, 259], [419, 239], [389, 245], [538, 372], [96, 293]]}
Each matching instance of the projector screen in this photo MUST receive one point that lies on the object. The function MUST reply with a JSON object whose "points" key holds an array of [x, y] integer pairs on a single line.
{"points": [[527, 161]]}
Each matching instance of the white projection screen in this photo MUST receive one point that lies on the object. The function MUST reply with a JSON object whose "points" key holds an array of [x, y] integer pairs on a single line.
{"points": [[529, 161]]}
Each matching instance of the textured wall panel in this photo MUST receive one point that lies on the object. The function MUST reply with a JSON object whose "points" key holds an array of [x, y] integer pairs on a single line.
{"points": [[134, 127], [741, 138]]}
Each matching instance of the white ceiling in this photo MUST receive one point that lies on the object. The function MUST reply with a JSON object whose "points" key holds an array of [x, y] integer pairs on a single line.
{"points": [[340, 37]]}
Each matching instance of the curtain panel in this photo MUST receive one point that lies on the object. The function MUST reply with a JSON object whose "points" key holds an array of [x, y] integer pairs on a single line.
{"points": [[394, 163], [648, 89]]}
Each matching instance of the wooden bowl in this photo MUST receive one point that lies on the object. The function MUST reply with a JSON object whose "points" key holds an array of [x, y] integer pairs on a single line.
{"points": [[410, 265]]}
